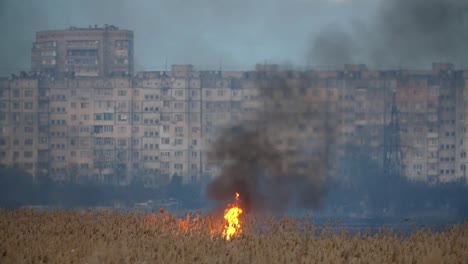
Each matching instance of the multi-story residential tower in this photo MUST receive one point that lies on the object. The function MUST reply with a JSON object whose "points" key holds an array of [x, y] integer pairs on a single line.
{"points": [[93, 51], [80, 119], [19, 123]]}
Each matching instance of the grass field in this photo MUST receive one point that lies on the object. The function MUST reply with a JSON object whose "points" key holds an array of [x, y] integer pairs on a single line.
{"points": [[28, 236]]}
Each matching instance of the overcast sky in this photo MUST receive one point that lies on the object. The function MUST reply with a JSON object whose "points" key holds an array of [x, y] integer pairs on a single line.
{"points": [[238, 34]]}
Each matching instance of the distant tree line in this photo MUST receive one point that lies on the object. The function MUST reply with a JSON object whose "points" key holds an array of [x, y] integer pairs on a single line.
{"points": [[360, 183], [367, 186], [18, 188]]}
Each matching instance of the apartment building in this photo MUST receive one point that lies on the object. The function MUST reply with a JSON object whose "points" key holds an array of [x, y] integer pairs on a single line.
{"points": [[92, 51], [81, 115], [18, 121], [159, 124]]}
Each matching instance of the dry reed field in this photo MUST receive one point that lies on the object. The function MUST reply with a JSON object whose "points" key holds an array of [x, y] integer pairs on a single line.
{"points": [[28, 236]]}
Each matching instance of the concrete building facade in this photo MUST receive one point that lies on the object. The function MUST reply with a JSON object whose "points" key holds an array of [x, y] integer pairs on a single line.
{"points": [[92, 51], [103, 124]]}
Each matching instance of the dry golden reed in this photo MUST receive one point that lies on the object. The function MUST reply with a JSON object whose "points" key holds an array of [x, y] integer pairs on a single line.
{"points": [[28, 236]]}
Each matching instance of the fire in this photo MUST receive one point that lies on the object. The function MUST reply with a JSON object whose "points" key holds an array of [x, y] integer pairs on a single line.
{"points": [[231, 215]]}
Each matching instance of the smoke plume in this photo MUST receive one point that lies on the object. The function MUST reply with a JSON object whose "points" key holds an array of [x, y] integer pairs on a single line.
{"points": [[280, 159], [410, 34]]}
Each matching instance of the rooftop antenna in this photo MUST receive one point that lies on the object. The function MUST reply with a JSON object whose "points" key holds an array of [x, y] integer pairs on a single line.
{"points": [[165, 66], [221, 65]]}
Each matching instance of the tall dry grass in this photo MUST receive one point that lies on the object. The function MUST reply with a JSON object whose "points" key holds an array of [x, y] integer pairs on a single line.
{"points": [[28, 236]]}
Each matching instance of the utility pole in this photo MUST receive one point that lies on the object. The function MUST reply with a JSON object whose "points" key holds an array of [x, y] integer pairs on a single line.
{"points": [[392, 153], [392, 165]]}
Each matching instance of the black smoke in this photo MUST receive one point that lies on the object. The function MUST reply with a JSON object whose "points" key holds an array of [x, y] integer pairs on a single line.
{"points": [[281, 158], [205, 33], [400, 33]]}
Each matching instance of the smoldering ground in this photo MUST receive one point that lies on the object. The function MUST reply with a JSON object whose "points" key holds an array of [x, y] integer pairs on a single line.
{"points": [[280, 158]]}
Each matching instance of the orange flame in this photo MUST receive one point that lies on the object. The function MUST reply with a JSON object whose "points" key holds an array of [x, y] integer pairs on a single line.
{"points": [[233, 225]]}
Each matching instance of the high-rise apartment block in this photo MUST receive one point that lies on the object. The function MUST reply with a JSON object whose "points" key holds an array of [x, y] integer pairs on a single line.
{"points": [[93, 51], [106, 125]]}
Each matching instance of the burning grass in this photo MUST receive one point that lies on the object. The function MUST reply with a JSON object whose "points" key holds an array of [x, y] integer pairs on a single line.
{"points": [[28, 236]]}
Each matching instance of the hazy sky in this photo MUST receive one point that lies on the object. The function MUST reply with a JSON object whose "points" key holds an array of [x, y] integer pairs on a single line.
{"points": [[318, 33]]}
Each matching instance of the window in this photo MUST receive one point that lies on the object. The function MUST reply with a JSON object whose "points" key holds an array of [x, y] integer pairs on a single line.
{"points": [[28, 154], [165, 117], [84, 142], [122, 93], [122, 142], [178, 154], [178, 166], [103, 129], [165, 141], [178, 105], [16, 93], [103, 141], [121, 105], [28, 93], [104, 116], [28, 142], [178, 117], [73, 105], [84, 105], [123, 117]]}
